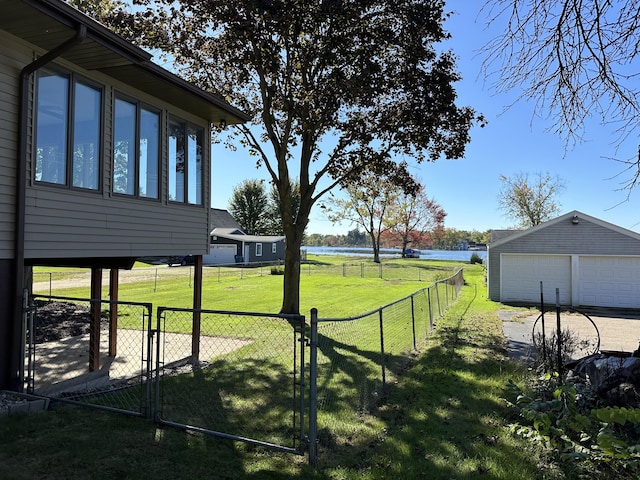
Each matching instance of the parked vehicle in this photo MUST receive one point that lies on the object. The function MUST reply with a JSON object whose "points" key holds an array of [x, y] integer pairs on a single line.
{"points": [[181, 260], [411, 253]]}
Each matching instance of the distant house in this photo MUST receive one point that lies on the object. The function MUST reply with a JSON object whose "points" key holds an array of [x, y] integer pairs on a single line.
{"points": [[104, 156], [229, 244], [590, 262]]}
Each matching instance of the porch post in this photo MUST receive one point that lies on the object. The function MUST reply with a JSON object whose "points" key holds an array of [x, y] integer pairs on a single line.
{"points": [[197, 306], [114, 277], [94, 321]]}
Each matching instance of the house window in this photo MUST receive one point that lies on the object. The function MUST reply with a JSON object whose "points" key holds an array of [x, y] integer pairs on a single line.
{"points": [[185, 162], [68, 127], [136, 150], [274, 248], [258, 249]]}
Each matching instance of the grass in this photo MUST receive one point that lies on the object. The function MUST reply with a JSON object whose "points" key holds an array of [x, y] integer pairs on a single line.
{"points": [[443, 418], [323, 285]]}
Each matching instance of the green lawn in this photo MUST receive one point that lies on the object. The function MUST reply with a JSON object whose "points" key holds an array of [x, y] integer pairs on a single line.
{"points": [[444, 417]]}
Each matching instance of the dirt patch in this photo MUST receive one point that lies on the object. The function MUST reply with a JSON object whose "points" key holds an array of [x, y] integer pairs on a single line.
{"points": [[58, 320]]}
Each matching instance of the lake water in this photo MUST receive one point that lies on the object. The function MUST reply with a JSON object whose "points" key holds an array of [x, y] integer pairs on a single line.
{"points": [[456, 255]]}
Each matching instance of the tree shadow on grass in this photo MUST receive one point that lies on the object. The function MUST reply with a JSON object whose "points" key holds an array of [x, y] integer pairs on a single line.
{"points": [[441, 420]]}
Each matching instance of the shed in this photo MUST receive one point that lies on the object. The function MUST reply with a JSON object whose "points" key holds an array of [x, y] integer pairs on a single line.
{"points": [[591, 262]]}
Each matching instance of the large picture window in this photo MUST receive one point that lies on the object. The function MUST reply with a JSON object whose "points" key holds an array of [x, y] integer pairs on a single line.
{"points": [[68, 126], [185, 162], [136, 152]]}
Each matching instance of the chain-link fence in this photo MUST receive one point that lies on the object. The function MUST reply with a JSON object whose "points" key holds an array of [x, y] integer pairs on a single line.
{"points": [[163, 277], [89, 351], [357, 357], [388, 270], [239, 375]]}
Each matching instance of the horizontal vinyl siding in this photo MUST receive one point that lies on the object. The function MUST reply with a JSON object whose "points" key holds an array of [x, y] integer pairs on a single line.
{"points": [[12, 60], [64, 224]]}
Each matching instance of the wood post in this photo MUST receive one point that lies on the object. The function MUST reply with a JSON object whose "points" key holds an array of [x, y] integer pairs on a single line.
{"points": [[197, 306], [94, 321], [114, 277]]}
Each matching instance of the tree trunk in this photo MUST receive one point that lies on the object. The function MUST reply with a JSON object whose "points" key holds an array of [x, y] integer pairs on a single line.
{"points": [[376, 247], [291, 288], [404, 247]]}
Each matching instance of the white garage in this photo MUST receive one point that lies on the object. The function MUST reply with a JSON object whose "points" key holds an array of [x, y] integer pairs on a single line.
{"points": [[522, 275], [609, 281], [591, 262], [220, 254]]}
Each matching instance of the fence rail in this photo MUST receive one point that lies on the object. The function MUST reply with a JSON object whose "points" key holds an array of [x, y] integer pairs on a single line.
{"points": [[239, 375]]}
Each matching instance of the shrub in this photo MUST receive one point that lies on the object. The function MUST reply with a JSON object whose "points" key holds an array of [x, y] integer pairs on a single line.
{"points": [[475, 258], [277, 271]]}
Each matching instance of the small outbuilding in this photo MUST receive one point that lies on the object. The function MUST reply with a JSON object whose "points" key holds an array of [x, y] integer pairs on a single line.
{"points": [[229, 243], [590, 262]]}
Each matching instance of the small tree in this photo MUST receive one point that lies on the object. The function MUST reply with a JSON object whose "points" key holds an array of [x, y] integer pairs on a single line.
{"points": [[530, 202], [248, 205], [366, 205], [411, 215]]}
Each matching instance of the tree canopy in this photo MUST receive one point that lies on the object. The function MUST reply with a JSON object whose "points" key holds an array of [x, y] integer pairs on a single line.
{"points": [[413, 214], [530, 202], [334, 87], [248, 206]]}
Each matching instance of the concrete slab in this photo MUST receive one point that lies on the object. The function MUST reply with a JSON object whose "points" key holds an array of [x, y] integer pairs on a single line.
{"points": [[617, 330], [63, 365]]}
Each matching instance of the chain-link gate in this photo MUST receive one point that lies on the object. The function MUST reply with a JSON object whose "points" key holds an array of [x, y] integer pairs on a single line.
{"points": [[93, 352], [237, 375]]}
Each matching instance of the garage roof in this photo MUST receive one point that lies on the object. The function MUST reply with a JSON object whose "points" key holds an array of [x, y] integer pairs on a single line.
{"points": [[568, 217], [49, 23]]}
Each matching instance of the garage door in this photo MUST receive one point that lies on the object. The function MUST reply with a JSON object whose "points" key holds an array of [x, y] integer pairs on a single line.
{"points": [[520, 277], [220, 254], [610, 281]]}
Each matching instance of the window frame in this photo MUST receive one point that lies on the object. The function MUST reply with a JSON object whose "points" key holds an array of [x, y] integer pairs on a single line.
{"points": [[258, 249], [274, 248], [73, 79], [186, 174], [139, 107]]}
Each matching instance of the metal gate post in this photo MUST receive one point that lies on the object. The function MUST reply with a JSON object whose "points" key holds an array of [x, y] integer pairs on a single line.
{"points": [[313, 389]]}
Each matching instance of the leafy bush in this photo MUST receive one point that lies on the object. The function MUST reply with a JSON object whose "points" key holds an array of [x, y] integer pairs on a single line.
{"points": [[567, 419], [277, 270], [475, 258]]}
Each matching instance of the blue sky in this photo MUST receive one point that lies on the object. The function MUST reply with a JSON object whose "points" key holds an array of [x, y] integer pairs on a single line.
{"points": [[512, 142]]}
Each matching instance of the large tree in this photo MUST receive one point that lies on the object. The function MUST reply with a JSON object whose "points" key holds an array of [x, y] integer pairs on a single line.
{"points": [[334, 87], [575, 59], [530, 202], [248, 205], [413, 214]]}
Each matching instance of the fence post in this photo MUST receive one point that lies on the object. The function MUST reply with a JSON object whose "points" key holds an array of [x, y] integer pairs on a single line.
{"points": [[413, 323], [430, 310], [313, 389], [362, 270], [380, 267], [382, 362], [344, 269]]}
